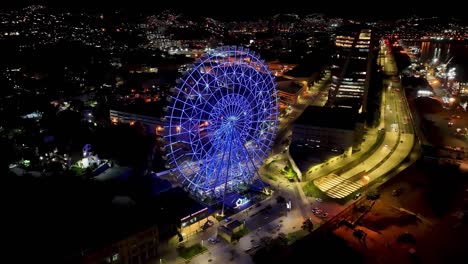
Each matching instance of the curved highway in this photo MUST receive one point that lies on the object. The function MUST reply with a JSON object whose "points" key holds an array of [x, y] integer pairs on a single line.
{"points": [[396, 146]]}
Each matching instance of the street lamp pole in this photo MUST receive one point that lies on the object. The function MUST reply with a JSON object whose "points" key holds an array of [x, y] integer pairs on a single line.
{"points": [[366, 182]]}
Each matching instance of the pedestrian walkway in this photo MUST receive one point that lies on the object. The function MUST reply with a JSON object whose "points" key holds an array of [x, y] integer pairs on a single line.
{"points": [[333, 185]]}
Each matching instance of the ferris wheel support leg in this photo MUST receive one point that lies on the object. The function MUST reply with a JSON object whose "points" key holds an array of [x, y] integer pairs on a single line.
{"points": [[253, 164], [227, 173]]}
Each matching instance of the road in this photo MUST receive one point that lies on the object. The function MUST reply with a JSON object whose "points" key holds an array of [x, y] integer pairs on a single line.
{"points": [[396, 146]]}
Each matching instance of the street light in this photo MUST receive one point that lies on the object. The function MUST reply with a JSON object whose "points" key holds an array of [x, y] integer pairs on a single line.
{"points": [[366, 180]]}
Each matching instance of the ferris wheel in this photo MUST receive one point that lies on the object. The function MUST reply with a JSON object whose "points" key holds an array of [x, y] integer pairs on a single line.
{"points": [[222, 121]]}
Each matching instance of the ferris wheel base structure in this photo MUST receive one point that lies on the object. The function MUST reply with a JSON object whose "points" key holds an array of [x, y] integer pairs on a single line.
{"points": [[222, 121]]}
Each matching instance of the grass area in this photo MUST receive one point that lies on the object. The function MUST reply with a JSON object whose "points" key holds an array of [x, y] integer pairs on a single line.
{"points": [[294, 236], [78, 171], [219, 217], [244, 231], [190, 252], [288, 172], [312, 191], [378, 141]]}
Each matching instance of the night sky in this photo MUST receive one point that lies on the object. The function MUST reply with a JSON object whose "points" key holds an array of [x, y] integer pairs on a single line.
{"points": [[250, 9]]}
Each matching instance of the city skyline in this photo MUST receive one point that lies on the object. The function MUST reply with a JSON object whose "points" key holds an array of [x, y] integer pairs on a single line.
{"points": [[247, 10]]}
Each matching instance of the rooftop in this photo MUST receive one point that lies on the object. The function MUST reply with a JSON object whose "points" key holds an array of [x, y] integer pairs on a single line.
{"points": [[289, 86], [339, 118], [232, 225], [175, 204]]}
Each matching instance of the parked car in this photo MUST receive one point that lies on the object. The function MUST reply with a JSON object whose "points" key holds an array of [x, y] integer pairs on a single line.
{"points": [[316, 211], [397, 191], [213, 240]]}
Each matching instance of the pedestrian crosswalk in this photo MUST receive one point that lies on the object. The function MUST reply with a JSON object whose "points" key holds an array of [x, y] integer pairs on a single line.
{"points": [[336, 187], [344, 189]]}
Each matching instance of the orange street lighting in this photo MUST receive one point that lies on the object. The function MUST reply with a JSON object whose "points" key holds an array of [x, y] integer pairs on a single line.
{"points": [[366, 178]]}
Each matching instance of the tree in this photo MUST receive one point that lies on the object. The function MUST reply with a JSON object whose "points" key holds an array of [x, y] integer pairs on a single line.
{"points": [[373, 195], [308, 225], [280, 199]]}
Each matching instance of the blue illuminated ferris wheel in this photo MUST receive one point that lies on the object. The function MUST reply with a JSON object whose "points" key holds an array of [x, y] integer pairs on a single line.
{"points": [[222, 121]]}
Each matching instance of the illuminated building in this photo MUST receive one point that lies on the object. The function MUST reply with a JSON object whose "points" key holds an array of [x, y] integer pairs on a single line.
{"points": [[182, 212], [463, 88], [351, 68], [288, 92]]}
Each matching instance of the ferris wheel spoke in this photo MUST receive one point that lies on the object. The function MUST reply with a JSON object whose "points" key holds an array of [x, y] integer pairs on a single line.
{"points": [[187, 169], [199, 146], [199, 109], [241, 143], [242, 149], [244, 165], [204, 100], [218, 165], [198, 178], [204, 139], [239, 111], [212, 164]]}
